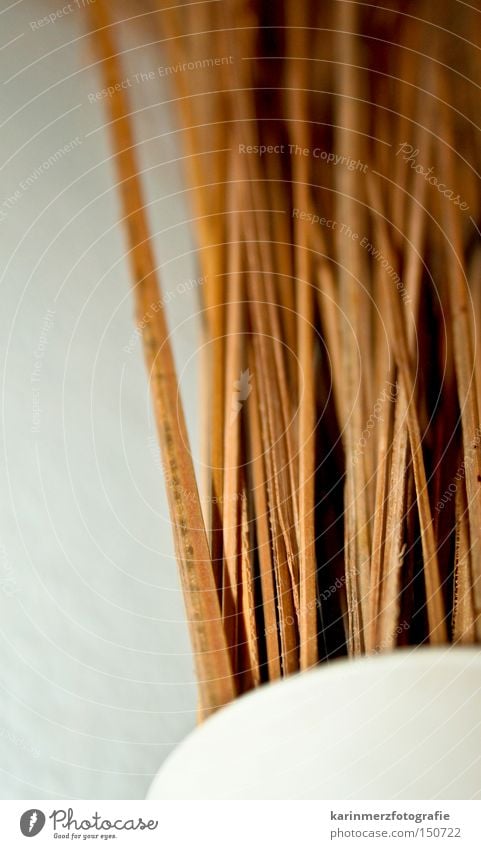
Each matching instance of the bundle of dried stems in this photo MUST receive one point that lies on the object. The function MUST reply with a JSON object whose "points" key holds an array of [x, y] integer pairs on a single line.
{"points": [[332, 155]]}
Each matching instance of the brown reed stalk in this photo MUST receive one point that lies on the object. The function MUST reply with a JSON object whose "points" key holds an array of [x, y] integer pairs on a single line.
{"points": [[216, 686], [206, 175], [297, 107], [352, 278]]}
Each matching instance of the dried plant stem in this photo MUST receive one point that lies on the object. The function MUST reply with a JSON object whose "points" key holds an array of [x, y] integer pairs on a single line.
{"points": [[397, 332], [464, 619], [210, 649], [352, 279], [465, 374], [263, 536]]}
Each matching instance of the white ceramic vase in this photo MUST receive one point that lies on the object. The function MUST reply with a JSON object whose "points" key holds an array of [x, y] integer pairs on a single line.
{"points": [[401, 726]]}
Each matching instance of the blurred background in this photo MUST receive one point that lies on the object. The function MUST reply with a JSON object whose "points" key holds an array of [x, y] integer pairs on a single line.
{"points": [[96, 673]]}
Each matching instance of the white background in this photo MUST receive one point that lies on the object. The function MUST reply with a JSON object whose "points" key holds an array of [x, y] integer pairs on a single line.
{"points": [[96, 677]]}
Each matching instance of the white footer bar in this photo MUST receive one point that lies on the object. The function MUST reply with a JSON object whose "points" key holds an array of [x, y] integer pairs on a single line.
{"points": [[241, 825]]}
